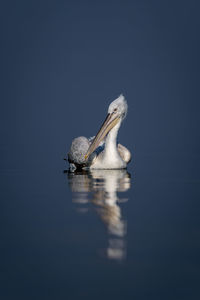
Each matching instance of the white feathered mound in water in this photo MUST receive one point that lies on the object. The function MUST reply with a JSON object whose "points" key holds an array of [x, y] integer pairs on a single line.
{"points": [[102, 151]]}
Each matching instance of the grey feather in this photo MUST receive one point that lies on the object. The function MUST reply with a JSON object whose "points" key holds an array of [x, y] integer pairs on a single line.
{"points": [[78, 150]]}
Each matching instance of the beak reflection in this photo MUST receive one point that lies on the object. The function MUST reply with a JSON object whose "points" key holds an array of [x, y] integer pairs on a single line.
{"points": [[99, 188]]}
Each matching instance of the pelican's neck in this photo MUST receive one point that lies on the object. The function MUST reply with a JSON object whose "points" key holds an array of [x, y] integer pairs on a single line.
{"points": [[111, 142], [110, 157]]}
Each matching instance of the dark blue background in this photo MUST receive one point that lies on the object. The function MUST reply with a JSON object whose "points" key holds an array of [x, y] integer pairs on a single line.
{"points": [[62, 63]]}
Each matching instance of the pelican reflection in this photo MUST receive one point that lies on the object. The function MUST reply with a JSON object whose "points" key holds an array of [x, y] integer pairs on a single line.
{"points": [[100, 188]]}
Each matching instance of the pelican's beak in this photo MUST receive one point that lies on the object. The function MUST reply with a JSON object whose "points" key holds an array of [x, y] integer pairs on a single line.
{"points": [[110, 121]]}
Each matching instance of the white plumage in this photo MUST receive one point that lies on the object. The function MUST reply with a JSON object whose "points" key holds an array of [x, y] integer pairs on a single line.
{"points": [[102, 151]]}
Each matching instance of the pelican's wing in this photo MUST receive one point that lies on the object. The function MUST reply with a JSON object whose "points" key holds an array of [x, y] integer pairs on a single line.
{"points": [[124, 153]]}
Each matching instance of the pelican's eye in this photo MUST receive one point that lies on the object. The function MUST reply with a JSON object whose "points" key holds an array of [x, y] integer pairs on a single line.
{"points": [[115, 110]]}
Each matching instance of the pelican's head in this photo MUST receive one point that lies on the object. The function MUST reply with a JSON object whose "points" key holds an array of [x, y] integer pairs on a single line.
{"points": [[118, 107], [116, 113]]}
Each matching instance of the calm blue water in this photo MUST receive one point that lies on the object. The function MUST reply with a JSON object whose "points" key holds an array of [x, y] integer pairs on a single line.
{"points": [[111, 234]]}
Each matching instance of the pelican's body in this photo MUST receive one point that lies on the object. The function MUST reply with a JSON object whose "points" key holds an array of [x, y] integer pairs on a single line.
{"points": [[110, 157], [102, 151]]}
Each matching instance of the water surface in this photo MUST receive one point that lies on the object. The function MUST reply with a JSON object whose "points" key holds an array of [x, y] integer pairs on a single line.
{"points": [[101, 234]]}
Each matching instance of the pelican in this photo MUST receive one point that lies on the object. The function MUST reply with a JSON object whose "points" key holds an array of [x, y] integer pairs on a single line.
{"points": [[102, 151]]}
